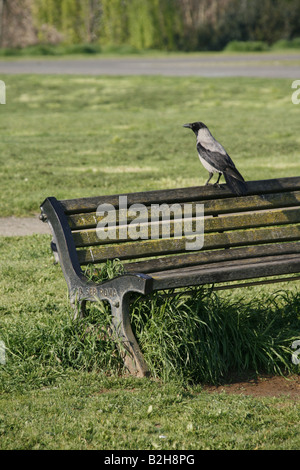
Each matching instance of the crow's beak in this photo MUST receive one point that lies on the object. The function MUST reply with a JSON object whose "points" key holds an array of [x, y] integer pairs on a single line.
{"points": [[187, 125]]}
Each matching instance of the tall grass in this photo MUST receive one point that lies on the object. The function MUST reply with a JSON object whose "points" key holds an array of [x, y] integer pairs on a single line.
{"points": [[208, 338], [39, 354], [202, 337]]}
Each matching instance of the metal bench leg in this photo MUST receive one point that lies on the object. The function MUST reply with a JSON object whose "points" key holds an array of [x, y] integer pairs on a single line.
{"points": [[130, 350]]}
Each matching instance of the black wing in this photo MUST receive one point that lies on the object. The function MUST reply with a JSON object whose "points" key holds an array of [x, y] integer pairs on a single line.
{"points": [[220, 161]]}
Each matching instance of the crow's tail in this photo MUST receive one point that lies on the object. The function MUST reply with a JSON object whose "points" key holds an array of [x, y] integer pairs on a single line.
{"points": [[237, 186]]}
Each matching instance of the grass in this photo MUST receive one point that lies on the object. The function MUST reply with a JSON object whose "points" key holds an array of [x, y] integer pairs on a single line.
{"points": [[63, 50], [61, 386], [82, 136], [206, 338], [89, 411], [202, 338]]}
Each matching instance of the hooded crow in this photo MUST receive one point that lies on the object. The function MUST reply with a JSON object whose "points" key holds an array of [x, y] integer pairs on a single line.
{"points": [[215, 159]]}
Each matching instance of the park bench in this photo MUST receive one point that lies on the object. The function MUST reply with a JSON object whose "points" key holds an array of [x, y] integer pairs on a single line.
{"points": [[248, 240]]}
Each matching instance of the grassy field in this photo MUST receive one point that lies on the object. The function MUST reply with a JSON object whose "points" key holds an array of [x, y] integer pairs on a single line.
{"points": [[88, 412], [85, 136], [61, 385]]}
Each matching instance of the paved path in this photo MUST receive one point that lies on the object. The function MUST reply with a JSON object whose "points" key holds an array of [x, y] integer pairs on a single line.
{"points": [[250, 65], [14, 226]]}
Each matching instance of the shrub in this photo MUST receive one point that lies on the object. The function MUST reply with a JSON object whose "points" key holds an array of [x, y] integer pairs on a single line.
{"points": [[246, 46], [287, 44]]}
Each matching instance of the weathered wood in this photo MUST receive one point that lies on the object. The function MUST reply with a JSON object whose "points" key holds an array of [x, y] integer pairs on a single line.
{"points": [[257, 282], [91, 237], [145, 248], [264, 268], [225, 264], [212, 207], [73, 206], [208, 257]]}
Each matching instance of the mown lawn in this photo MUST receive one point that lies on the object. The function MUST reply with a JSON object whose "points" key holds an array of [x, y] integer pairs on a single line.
{"points": [[72, 136], [91, 411], [62, 385]]}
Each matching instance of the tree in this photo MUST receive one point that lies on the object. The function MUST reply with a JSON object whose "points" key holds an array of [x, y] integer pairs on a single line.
{"points": [[141, 26], [77, 20], [113, 26], [161, 24], [16, 24]]}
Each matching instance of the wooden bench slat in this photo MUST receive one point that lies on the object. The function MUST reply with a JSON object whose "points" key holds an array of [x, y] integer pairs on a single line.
{"points": [[145, 248], [209, 257], [81, 205], [214, 207], [276, 258], [230, 222], [227, 273]]}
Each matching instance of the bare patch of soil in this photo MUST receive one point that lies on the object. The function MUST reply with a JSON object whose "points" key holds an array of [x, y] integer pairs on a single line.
{"points": [[265, 386]]}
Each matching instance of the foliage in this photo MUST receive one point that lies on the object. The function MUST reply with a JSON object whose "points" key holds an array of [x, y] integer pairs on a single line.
{"points": [[246, 46], [287, 44], [169, 24], [142, 24], [77, 20], [256, 20]]}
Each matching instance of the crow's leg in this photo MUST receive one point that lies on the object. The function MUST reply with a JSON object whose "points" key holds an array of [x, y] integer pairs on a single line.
{"points": [[210, 177], [217, 182]]}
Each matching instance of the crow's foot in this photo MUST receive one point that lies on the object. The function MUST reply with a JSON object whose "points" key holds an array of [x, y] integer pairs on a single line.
{"points": [[218, 185]]}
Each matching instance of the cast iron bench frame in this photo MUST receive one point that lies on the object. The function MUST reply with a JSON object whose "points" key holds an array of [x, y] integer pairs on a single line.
{"points": [[252, 238]]}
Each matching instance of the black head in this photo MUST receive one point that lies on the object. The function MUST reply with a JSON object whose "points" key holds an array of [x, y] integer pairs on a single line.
{"points": [[195, 126]]}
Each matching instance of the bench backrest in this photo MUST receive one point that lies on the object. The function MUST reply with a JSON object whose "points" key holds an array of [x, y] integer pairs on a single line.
{"points": [[264, 222]]}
